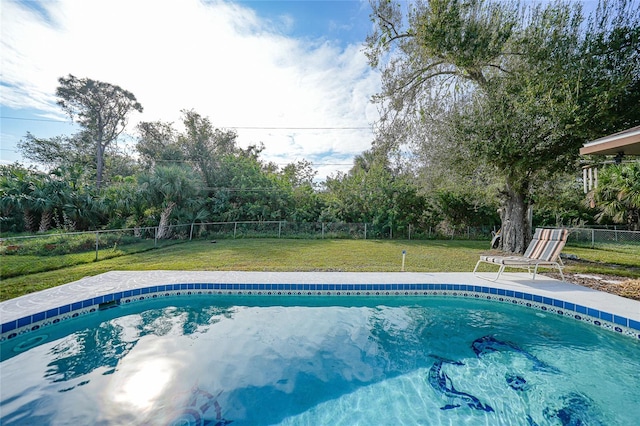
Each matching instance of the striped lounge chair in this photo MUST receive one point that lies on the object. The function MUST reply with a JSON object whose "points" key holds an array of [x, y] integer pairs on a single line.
{"points": [[544, 250]]}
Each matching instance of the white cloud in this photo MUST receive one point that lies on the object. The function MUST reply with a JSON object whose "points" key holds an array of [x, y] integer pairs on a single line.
{"points": [[219, 59]]}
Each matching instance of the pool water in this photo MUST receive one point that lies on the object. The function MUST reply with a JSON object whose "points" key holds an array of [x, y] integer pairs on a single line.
{"points": [[320, 361]]}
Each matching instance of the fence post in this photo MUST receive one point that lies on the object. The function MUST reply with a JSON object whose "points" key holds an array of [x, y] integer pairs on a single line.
{"points": [[279, 228], [97, 245], [593, 238], [235, 227], [365, 230], [155, 237], [323, 230], [191, 232]]}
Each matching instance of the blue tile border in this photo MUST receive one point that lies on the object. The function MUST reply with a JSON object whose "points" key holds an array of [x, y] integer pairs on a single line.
{"points": [[596, 317]]}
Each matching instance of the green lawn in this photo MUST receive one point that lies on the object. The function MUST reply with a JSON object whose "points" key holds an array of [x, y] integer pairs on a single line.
{"points": [[285, 255], [623, 260]]}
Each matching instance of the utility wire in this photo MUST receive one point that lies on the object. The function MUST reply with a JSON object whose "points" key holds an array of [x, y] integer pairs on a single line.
{"points": [[313, 163], [298, 128], [223, 127], [51, 120]]}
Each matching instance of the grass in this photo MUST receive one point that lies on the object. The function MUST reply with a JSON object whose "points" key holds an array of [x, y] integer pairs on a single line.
{"points": [[31, 261], [624, 256], [607, 258], [291, 255]]}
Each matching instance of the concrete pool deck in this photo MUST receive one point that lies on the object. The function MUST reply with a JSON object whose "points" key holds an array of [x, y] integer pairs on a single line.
{"points": [[560, 297]]}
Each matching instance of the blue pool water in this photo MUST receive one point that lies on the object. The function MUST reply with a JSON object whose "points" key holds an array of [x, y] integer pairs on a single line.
{"points": [[320, 361]]}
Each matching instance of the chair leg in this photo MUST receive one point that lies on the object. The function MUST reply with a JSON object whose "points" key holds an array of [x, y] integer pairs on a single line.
{"points": [[561, 274], [476, 268], [484, 278], [499, 272]]}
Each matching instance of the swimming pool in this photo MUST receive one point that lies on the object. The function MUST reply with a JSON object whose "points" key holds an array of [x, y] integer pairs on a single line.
{"points": [[290, 360]]}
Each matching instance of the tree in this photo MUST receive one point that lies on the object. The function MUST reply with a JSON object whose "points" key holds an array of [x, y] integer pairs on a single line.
{"points": [[100, 108], [374, 193], [511, 91], [50, 195], [59, 151], [158, 144], [17, 185], [560, 202], [83, 208], [460, 210], [168, 188], [253, 192], [205, 146], [299, 173], [306, 202], [618, 194], [239, 185]]}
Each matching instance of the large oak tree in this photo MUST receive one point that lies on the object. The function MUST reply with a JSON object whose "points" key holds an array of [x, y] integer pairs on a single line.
{"points": [[512, 91]]}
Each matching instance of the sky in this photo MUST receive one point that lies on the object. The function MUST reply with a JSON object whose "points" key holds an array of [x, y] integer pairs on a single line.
{"points": [[289, 74]]}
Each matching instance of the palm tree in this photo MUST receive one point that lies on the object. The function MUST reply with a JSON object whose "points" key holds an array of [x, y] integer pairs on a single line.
{"points": [[618, 194], [18, 193], [82, 211], [49, 196], [169, 187], [126, 203]]}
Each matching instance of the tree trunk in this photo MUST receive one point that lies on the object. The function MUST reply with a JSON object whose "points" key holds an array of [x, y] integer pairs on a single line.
{"points": [[163, 226], [516, 230], [99, 163], [28, 220], [45, 221], [69, 225]]}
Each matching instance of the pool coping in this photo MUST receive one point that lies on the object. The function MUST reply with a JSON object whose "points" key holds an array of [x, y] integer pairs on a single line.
{"points": [[33, 311]]}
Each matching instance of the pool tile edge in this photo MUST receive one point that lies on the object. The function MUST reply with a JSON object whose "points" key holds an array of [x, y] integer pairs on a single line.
{"points": [[54, 314]]}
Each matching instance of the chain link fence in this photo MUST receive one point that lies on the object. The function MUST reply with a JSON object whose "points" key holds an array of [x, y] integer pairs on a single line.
{"points": [[109, 243], [281, 229], [44, 252], [332, 230], [603, 238], [41, 252]]}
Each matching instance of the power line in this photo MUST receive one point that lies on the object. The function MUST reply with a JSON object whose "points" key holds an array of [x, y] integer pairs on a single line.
{"points": [[313, 163], [229, 127], [298, 128], [220, 189], [51, 120]]}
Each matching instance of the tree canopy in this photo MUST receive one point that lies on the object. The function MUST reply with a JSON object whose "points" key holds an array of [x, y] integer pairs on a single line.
{"points": [[484, 106], [101, 109], [513, 91], [618, 194]]}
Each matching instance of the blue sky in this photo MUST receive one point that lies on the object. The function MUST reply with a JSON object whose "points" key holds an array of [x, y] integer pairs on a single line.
{"points": [[289, 74]]}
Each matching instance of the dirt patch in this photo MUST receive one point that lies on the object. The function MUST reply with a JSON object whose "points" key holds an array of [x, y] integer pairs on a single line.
{"points": [[621, 286]]}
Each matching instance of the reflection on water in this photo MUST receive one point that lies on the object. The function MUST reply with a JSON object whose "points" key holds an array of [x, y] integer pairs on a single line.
{"points": [[392, 361], [104, 346], [84, 351], [143, 383]]}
